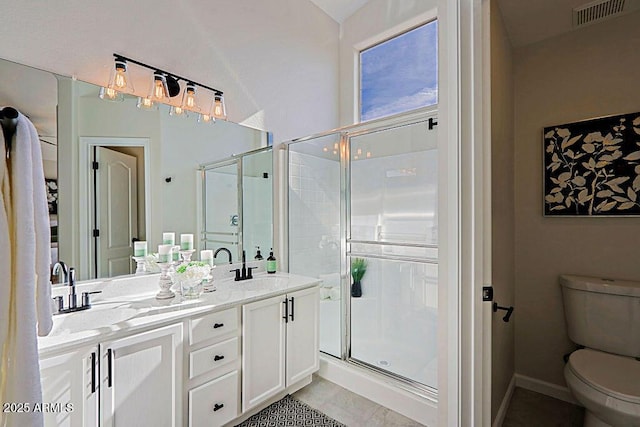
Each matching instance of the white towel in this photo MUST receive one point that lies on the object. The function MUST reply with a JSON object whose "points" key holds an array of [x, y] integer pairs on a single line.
{"points": [[31, 292], [5, 269]]}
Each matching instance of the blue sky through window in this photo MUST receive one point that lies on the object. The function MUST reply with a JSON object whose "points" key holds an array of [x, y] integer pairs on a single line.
{"points": [[400, 74]]}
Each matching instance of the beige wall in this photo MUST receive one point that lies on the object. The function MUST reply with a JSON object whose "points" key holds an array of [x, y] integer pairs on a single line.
{"points": [[502, 208], [583, 74]]}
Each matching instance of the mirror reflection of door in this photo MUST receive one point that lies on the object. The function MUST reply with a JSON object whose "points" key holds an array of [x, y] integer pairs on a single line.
{"points": [[115, 210]]}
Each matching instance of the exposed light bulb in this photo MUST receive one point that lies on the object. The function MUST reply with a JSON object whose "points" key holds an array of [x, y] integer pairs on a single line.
{"points": [[158, 88], [219, 109], [189, 98], [120, 79]]}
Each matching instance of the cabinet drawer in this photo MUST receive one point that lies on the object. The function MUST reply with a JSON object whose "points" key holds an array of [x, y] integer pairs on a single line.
{"points": [[214, 403], [213, 325], [213, 357]]}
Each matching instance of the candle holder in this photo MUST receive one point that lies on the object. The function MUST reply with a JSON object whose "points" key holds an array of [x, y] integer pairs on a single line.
{"points": [[165, 281], [141, 267], [186, 255]]}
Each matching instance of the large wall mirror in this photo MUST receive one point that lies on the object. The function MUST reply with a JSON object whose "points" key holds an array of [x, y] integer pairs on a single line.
{"points": [[117, 173]]}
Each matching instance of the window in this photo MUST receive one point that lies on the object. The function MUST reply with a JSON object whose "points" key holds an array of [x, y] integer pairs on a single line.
{"points": [[400, 74]]}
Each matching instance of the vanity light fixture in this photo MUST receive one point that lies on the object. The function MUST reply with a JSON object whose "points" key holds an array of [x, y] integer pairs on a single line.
{"points": [[164, 86]]}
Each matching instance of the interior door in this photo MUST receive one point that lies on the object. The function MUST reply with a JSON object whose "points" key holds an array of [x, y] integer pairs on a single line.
{"points": [[116, 197]]}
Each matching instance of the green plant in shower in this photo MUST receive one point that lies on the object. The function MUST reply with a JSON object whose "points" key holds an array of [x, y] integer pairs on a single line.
{"points": [[358, 268]]}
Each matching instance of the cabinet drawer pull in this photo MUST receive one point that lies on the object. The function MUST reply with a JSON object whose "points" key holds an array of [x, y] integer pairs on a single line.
{"points": [[216, 358], [218, 325], [110, 367], [93, 372], [218, 406], [286, 310]]}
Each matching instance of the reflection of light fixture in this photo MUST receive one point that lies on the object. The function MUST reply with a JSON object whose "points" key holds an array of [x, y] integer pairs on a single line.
{"points": [[325, 149], [219, 109], [146, 104], [177, 111], [164, 86], [368, 154], [109, 94]]}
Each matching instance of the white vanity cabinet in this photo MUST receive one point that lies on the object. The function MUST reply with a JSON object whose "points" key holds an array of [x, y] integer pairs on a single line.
{"points": [[141, 379], [280, 344], [70, 388]]}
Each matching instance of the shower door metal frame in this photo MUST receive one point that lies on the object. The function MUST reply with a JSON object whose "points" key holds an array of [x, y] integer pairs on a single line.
{"points": [[346, 133]]}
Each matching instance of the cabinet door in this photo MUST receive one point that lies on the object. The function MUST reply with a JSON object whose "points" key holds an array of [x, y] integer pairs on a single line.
{"points": [[70, 388], [142, 379], [303, 337], [263, 346]]}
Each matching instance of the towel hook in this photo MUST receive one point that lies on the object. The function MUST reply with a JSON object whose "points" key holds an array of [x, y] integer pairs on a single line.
{"points": [[9, 122]]}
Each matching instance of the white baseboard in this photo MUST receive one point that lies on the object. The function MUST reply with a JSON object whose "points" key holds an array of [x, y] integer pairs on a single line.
{"points": [[506, 400], [545, 388]]}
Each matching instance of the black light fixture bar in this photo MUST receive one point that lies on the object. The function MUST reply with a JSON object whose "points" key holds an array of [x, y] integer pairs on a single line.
{"points": [[175, 76]]}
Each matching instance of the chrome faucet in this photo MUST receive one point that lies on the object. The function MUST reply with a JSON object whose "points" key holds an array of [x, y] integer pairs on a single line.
{"points": [[58, 269], [73, 301], [223, 250]]}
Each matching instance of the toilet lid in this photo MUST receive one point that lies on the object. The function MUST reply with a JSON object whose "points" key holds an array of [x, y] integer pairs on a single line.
{"points": [[617, 376]]}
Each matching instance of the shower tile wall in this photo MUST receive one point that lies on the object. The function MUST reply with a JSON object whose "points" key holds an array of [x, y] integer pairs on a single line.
{"points": [[314, 235], [314, 200]]}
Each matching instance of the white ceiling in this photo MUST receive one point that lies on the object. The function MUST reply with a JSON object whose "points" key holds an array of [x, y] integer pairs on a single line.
{"points": [[530, 21], [339, 10]]}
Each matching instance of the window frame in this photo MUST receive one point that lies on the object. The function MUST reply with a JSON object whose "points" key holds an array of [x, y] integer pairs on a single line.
{"points": [[373, 42]]}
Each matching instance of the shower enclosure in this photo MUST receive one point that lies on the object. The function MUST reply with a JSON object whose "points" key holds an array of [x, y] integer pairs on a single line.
{"points": [[369, 193]]}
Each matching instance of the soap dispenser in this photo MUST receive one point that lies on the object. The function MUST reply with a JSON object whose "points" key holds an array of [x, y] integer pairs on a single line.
{"points": [[258, 256], [271, 263]]}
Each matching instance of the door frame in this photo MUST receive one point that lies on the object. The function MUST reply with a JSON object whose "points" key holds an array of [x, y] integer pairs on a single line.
{"points": [[85, 190], [464, 109]]}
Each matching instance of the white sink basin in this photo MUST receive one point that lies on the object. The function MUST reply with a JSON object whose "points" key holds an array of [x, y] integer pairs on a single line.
{"points": [[98, 316]]}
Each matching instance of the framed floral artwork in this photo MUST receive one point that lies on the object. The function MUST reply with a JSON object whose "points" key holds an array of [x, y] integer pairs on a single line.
{"points": [[592, 167]]}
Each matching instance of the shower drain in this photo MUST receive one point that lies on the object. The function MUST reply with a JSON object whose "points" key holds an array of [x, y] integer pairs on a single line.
{"points": [[383, 363]]}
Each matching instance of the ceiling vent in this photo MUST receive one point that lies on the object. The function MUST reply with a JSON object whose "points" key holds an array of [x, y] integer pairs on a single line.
{"points": [[602, 9]]}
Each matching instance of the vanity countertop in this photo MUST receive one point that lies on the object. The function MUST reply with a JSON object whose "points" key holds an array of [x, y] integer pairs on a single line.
{"points": [[127, 305]]}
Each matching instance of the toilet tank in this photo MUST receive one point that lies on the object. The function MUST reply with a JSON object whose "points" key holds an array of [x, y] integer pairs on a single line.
{"points": [[603, 314]]}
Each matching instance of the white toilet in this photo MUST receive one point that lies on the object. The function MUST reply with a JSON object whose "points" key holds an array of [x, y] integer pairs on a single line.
{"points": [[604, 316]]}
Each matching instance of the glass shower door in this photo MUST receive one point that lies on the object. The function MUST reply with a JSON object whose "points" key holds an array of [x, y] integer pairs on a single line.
{"points": [[393, 229]]}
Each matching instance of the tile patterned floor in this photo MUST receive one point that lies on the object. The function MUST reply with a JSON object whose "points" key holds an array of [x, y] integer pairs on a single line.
{"points": [[527, 408], [349, 408], [530, 409]]}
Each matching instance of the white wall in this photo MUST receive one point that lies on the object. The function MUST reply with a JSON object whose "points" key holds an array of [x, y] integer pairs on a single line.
{"points": [[587, 73], [374, 22], [276, 61]]}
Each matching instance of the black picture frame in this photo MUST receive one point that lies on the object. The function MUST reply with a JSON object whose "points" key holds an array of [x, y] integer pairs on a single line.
{"points": [[592, 167]]}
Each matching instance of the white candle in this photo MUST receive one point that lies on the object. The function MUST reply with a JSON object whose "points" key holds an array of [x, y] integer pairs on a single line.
{"points": [[206, 255], [176, 253], [169, 238], [140, 248], [164, 253], [186, 242]]}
